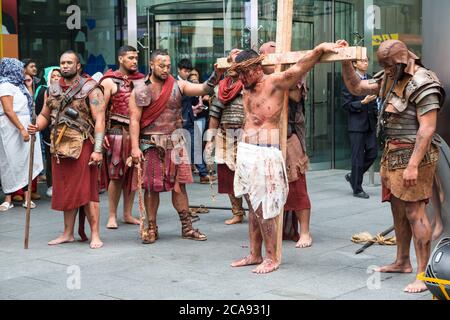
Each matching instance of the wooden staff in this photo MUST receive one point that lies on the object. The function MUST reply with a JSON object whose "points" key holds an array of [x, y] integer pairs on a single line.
{"points": [[142, 211], [370, 243], [212, 208], [30, 178], [283, 45]]}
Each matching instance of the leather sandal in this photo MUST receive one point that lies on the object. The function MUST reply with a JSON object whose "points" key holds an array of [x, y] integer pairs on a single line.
{"points": [[151, 234], [187, 232]]}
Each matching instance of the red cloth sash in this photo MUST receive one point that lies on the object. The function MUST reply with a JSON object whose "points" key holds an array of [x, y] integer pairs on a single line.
{"points": [[156, 108], [229, 90], [64, 86], [119, 75]]}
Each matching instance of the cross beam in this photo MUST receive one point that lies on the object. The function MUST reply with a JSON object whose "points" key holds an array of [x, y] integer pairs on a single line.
{"points": [[288, 58]]}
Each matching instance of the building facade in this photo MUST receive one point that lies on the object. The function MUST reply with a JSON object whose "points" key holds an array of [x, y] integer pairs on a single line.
{"points": [[204, 30]]}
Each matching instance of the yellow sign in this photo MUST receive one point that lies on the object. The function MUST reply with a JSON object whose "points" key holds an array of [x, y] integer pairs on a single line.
{"points": [[377, 39]]}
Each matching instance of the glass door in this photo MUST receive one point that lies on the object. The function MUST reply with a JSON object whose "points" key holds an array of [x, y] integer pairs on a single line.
{"points": [[201, 31]]}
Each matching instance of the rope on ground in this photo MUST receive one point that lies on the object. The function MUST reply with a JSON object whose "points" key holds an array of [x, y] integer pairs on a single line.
{"points": [[201, 209], [365, 237]]}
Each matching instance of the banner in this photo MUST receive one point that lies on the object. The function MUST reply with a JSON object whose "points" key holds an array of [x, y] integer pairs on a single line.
{"points": [[9, 38]]}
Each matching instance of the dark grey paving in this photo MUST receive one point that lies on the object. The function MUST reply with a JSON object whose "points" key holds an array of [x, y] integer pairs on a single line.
{"points": [[174, 268]]}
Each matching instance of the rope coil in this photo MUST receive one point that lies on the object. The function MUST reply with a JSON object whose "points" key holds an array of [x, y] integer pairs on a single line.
{"points": [[365, 237]]}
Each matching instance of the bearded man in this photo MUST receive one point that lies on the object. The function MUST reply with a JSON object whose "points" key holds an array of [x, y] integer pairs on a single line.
{"points": [[260, 174], [297, 160], [158, 141], [117, 90], [75, 109]]}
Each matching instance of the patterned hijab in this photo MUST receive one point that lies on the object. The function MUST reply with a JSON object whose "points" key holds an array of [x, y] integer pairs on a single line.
{"points": [[11, 71]]}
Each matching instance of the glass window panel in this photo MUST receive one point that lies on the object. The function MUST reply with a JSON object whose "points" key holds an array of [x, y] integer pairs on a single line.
{"points": [[46, 31]]}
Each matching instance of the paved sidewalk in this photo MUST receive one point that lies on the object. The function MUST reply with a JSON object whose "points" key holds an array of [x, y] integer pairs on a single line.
{"points": [[174, 268]]}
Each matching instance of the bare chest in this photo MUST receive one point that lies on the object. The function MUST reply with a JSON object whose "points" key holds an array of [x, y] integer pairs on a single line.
{"points": [[262, 106]]}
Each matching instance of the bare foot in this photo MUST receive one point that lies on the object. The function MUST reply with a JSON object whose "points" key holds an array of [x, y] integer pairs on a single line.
{"points": [[82, 234], [112, 223], [395, 268], [416, 287], [96, 243], [234, 220], [268, 265], [247, 261], [61, 239], [305, 241], [130, 220]]}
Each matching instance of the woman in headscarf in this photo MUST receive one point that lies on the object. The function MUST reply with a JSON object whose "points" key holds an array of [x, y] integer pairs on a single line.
{"points": [[15, 115], [51, 75]]}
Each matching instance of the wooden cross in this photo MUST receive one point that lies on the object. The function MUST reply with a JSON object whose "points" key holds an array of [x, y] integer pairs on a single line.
{"points": [[289, 58], [282, 59]]}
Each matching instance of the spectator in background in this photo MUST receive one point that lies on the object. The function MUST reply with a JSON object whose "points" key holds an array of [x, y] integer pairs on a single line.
{"points": [[199, 109], [51, 75], [15, 115], [31, 70], [184, 69], [362, 122], [19, 195]]}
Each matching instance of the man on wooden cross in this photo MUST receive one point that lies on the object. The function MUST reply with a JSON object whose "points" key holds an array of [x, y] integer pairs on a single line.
{"points": [[260, 174], [297, 161]]}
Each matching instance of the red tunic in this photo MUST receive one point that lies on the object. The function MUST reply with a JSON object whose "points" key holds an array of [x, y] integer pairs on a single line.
{"points": [[225, 178], [298, 198], [75, 183]]}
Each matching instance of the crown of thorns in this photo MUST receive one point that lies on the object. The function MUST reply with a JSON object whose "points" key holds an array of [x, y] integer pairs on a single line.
{"points": [[241, 66]]}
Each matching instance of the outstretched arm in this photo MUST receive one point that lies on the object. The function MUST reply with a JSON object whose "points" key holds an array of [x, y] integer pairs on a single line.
{"points": [[355, 85], [289, 78], [353, 82], [201, 89]]}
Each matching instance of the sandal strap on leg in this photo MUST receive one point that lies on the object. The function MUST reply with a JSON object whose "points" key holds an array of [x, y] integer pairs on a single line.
{"points": [[187, 231]]}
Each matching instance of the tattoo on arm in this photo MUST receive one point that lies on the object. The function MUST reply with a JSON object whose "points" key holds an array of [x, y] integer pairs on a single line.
{"points": [[97, 100]]}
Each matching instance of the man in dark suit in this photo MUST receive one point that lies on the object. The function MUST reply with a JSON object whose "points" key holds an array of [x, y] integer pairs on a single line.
{"points": [[189, 114], [362, 122]]}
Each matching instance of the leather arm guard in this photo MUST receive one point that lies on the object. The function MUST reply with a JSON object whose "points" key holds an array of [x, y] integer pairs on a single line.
{"points": [[212, 81], [98, 144]]}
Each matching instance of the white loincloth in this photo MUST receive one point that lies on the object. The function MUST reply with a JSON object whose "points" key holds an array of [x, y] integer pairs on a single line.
{"points": [[14, 155], [261, 173]]}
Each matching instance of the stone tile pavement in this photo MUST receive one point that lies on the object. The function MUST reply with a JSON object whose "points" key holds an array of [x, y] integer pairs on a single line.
{"points": [[174, 268]]}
